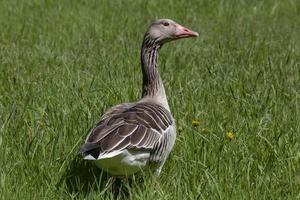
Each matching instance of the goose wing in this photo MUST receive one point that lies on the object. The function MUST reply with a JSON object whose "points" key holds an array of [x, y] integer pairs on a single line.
{"points": [[140, 126]]}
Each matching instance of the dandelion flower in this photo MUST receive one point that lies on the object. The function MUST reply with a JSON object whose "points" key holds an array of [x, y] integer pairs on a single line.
{"points": [[204, 130], [195, 123], [230, 135]]}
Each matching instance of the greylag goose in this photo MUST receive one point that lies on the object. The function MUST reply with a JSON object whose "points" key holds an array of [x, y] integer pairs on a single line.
{"points": [[131, 137]]}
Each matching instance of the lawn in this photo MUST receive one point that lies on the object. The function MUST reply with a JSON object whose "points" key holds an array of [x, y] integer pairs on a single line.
{"points": [[63, 63]]}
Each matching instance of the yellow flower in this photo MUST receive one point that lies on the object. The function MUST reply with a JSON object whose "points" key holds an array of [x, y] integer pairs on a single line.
{"points": [[230, 135], [195, 123], [204, 130]]}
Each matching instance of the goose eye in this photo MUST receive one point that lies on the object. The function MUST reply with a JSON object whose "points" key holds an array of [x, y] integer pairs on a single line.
{"points": [[166, 24]]}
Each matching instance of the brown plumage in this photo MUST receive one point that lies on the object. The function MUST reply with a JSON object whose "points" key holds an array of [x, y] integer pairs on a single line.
{"points": [[137, 127]]}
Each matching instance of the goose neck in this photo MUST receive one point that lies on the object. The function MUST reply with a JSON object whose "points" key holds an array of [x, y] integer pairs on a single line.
{"points": [[153, 87]]}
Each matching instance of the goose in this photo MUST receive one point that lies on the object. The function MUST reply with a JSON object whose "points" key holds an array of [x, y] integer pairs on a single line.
{"points": [[132, 137]]}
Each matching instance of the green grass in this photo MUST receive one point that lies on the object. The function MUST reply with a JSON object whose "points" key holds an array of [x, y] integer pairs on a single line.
{"points": [[63, 63]]}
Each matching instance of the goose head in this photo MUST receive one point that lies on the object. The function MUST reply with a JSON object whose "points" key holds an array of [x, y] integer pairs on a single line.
{"points": [[166, 30]]}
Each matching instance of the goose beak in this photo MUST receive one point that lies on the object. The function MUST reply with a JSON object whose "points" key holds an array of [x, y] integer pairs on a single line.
{"points": [[182, 32]]}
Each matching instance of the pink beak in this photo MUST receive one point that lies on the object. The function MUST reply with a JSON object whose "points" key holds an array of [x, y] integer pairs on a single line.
{"points": [[182, 32]]}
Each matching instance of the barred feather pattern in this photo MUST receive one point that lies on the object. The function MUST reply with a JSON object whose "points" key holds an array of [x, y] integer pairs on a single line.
{"points": [[143, 126], [146, 126]]}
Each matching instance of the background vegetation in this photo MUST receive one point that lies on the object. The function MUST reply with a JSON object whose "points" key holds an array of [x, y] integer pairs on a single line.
{"points": [[63, 63]]}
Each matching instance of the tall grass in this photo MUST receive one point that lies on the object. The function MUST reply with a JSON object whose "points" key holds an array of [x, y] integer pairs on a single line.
{"points": [[63, 63]]}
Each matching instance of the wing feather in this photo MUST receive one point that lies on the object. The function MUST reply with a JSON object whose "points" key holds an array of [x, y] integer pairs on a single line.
{"points": [[160, 115], [127, 129], [136, 126], [138, 135]]}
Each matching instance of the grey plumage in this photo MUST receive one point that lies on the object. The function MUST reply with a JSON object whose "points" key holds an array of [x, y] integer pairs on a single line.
{"points": [[140, 126], [131, 136]]}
